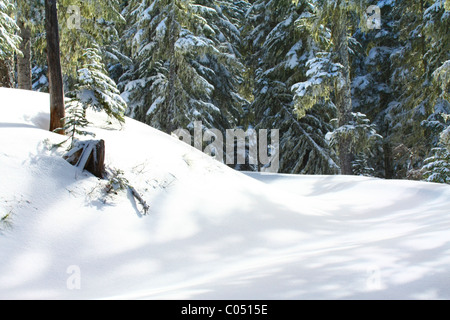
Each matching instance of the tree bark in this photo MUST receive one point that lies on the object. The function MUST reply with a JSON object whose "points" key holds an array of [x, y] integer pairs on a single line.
{"points": [[96, 163], [24, 62], [6, 73], [423, 43], [56, 87], [88, 155], [388, 161], [167, 122], [343, 94]]}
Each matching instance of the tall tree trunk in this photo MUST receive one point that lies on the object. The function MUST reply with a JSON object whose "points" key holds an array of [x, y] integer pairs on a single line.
{"points": [[24, 62], [56, 87], [168, 123], [343, 94], [6, 73], [423, 43]]}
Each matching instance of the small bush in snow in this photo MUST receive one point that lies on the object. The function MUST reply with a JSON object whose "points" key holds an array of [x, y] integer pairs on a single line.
{"points": [[75, 121], [96, 90], [116, 182]]}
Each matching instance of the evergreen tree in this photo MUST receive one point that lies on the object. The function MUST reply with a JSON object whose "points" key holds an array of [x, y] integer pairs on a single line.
{"points": [[186, 67], [75, 122], [29, 17], [278, 51], [306, 67], [83, 24], [56, 88], [329, 70], [9, 43], [437, 167], [89, 24], [422, 27], [95, 89], [8, 40], [362, 137], [372, 89]]}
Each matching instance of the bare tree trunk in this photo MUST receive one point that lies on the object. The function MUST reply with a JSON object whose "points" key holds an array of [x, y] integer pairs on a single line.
{"points": [[56, 86], [343, 95], [167, 122], [24, 62], [6, 73]]}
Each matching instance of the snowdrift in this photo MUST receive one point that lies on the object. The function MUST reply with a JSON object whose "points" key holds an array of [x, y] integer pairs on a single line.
{"points": [[211, 232]]}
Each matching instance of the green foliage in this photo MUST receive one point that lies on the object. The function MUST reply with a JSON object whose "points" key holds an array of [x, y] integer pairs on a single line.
{"points": [[31, 13], [75, 121], [328, 75], [96, 26], [96, 90], [182, 61], [401, 82], [418, 78], [359, 131], [83, 24], [186, 65], [9, 41], [324, 76], [117, 182], [441, 77], [278, 50], [5, 221], [363, 138], [362, 167], [437, 167]]}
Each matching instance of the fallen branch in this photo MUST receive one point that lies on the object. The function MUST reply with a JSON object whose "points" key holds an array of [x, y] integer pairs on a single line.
{"points": [[139, 198]]}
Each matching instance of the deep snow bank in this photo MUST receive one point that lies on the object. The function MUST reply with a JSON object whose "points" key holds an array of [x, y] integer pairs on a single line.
{"points": [[211, 232]]}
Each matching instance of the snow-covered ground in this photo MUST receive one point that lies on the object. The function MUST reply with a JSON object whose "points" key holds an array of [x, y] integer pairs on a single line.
{"points": [[211, 232]]}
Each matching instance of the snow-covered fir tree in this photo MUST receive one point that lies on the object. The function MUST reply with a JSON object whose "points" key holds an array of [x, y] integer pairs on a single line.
{"points": [[89, 24], [422, 28], [29, 18], [186, 65], [95, 89], [371, 83], [329, 69], [9, 43], [83, 24], [278, 51], [8, 39], [363, 139], [437, 167], [307, 68], [75, 122]]}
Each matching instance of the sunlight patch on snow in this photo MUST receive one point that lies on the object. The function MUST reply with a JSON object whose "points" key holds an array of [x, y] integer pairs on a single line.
{"points": [[211, 232], [282, 237], [427, 241]]}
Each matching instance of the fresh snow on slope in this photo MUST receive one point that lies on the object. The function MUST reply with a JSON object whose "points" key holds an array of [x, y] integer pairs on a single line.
{"points": [[211, 233]]}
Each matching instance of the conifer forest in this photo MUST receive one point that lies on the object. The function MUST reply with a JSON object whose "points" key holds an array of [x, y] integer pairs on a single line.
{"points": [[355, 87]]}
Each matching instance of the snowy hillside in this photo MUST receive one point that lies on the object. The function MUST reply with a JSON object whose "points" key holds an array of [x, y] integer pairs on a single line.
{"points": [[211, 232]]}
